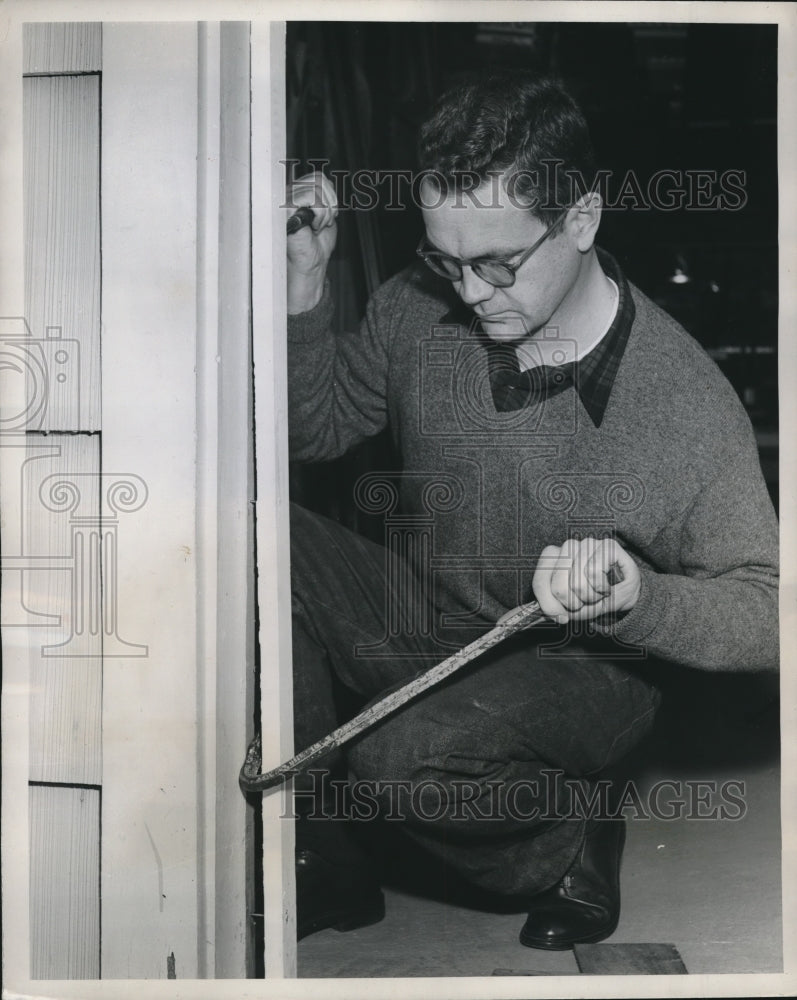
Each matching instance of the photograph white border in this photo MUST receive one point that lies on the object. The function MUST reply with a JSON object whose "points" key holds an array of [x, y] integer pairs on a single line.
{"points": [[13, 14]]}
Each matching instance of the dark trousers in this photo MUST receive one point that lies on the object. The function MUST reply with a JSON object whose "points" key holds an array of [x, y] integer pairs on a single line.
{"points": [[480, 770]]}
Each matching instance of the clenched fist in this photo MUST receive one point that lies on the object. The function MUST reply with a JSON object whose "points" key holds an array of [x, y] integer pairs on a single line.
{"points": [[310, 248], [571, 581]]}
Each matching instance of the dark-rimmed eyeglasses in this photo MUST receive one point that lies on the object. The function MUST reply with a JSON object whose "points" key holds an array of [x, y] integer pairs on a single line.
{"points": [[493, 270]]}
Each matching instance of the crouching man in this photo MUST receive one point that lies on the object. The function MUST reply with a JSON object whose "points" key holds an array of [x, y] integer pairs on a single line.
{"points": [[562, 439]]}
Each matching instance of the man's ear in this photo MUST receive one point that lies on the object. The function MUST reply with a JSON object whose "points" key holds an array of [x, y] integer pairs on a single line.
{"points": [[584, 219]]}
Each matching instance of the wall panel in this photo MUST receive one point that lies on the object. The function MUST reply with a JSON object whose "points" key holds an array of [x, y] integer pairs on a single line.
{"points": [[62, 249], [65, 47], [57, 547], [62, 535], [64, 886]]}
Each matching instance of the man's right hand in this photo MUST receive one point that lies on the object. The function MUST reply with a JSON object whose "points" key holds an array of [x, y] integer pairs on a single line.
{"points": [[310, 248]]}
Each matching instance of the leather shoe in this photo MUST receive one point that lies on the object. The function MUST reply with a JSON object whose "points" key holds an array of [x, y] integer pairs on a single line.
{"points": [[584, 905], [329, 894]]}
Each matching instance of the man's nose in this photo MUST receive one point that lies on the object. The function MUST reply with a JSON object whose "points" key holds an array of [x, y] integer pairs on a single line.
{"points": [[472, 289]]}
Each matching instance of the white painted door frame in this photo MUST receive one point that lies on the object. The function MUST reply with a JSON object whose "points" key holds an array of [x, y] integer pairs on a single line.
{"points": [[176, 375], [176, 370], [269, 305]]}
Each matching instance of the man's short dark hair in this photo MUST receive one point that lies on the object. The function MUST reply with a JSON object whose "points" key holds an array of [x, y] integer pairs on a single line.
{"points": [[512, 122]]}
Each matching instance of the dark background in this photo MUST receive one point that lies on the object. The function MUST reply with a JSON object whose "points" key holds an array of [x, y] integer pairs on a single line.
{"points": [[656, 96]]}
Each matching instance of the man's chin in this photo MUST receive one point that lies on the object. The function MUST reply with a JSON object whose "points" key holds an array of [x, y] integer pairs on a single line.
{"points": [[510, 332]]}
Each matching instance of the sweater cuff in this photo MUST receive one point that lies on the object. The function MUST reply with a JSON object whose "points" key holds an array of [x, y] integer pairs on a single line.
{"points": [[313, 324], [644, 618]]}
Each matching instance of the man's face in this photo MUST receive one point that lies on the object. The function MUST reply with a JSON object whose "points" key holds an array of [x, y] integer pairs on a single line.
{"points": [[490, 224]]}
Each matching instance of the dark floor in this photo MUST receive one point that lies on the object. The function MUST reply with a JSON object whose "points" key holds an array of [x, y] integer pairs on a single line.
{"points": [[711, 887]]}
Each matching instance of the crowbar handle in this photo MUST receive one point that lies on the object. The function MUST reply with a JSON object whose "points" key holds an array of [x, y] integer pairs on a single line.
{"points": [[520, 618], [301, 217], [251, 780]]}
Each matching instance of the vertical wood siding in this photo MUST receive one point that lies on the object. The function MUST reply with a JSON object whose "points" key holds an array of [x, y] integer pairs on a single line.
{"points": [[64, 884], [60, 533], [62, 246]]}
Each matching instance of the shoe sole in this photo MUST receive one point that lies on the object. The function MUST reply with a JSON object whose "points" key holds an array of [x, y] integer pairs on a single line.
{"points": [[561, 945]]}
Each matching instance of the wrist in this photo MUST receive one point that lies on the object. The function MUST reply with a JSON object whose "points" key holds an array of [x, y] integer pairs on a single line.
{"points": [[305, 291]]}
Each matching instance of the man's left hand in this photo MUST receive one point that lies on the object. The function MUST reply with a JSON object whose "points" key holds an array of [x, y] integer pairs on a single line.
{"points": [[571, 581]]}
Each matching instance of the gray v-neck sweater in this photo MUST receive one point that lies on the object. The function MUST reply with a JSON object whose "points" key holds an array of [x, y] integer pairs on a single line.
{"points": [[672, 471]]}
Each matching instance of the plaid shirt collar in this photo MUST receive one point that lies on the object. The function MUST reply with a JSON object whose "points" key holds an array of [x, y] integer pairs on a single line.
{"points": [[596, 371], [592, 376]]}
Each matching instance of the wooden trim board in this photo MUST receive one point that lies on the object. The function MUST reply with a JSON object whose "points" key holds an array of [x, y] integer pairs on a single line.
{"points": [[629, 960], [150, 803], [270, 366]]}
